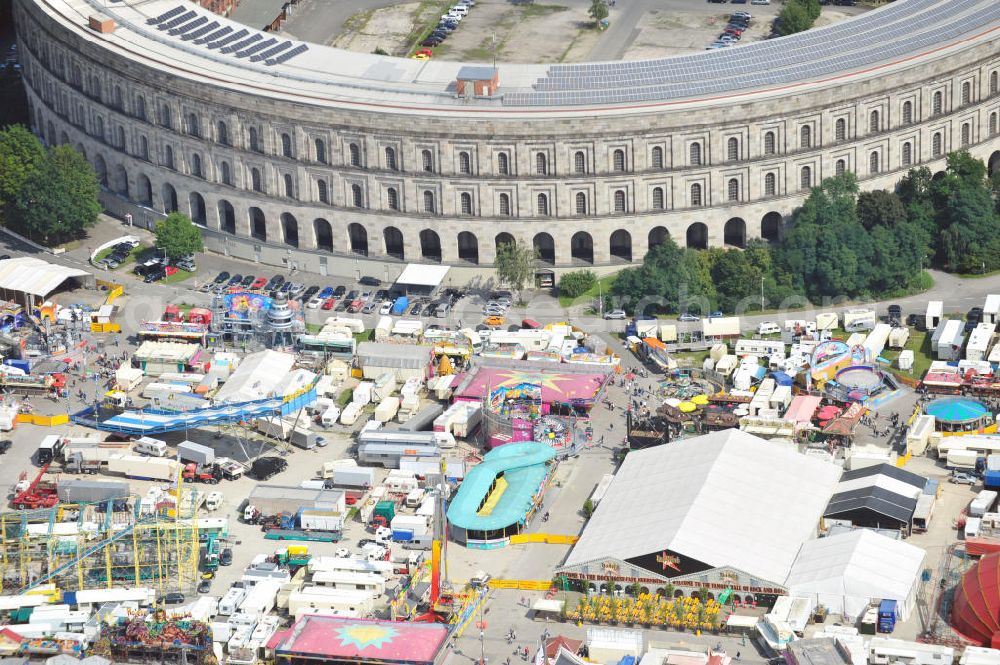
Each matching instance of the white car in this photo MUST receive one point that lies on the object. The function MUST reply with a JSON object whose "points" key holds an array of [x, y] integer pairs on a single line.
{"points": [[342, 553], [459, 9], [386, 308], [314, 302], [615, 314], [452, 16]]}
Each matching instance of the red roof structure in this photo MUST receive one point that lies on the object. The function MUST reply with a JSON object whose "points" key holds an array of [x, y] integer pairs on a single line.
{"points": [[975, 612], [336, 639]]}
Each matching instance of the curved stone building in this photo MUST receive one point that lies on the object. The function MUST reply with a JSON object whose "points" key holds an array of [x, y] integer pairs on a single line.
{"points": [[300, 154]]}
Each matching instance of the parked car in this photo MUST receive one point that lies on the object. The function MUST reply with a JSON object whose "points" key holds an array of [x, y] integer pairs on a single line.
{"points": [[615, 315], [315, 302], [173, 598], [204, 586], [416, 307], [155, 275], [962, 478], [339, 291], [275, 282], [895, 313], [715, 315], [326, 292], [310, 292], [247, 281], [367, 280], [329, 303], [5, 445], [688, 318], [221, 277], [226, 558], [385, 308], [259, 283], [369, 308]]}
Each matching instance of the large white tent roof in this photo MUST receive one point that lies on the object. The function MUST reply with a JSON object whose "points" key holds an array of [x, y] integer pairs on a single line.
{"points": [[725, 498], [854, 567], [257, 376], [417, 274], [30, 275]]}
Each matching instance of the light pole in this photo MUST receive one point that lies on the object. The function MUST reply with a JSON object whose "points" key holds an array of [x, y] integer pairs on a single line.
{"points": [[761, 294]]}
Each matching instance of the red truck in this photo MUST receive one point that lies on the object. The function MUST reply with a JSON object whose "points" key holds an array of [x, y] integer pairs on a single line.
{"points": [[38, 494]]}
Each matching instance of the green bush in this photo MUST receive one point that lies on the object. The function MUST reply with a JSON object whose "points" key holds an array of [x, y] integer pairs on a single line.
{"points": [[576, 283]]}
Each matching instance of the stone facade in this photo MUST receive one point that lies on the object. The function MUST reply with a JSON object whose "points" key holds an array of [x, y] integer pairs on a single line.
{"points": [[286, 178]]}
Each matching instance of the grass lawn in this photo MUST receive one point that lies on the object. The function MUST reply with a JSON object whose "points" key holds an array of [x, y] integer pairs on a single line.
{"points": [[920, 344], [178, 276], [602, 285], [690, 358], [132, 257], [313, 328]]}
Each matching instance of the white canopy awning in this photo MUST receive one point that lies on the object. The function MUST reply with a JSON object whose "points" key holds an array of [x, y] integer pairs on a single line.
{"points": [[415, 274], [34, 276]]}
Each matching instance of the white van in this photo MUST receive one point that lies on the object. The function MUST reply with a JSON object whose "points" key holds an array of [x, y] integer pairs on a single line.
{"points": [[768, 328], [149, 446], [213, 501]]}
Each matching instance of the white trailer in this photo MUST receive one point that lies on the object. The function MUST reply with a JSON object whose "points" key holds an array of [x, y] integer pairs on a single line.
{"points": [[919, 434], [875, 342], [371, 582], [980, 341], [260, 599], [948, 339], [857, 320], [231, 601], [386, 409], [337, 602], [898, 337], [144, 468], [935, 312], [827, 320], [991, 309]]}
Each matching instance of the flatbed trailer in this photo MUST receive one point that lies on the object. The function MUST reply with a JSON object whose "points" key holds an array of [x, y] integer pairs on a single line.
{"points": [[301, 534]]}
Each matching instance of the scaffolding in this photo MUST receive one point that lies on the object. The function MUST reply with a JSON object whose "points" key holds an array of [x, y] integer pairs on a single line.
{"points": [[100, 545]]}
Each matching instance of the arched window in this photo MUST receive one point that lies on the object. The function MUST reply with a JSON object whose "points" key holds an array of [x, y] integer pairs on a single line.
{"points": [[618, 161], [733, 189], [695, 194], [658, 203], [994, 83], [873, 122], [873, 163], [503, 163], [657, 160], [805, 178], [805, 136], [289, 186], [144, 147], [770, 184], [966, 93], [140, 107], [966, 134], [907, 154], [428, 201], [222, 133], [465, 203], [505, 205], [581, 203], [194, 127], [390, 159], [579, 162], [541, 164], [937, 105], [253, 140], [619, 200], [286, 145], [907, 113], [840, 129], [769, 143], [168, 157], [196, 165], [542, 205], [357, 196], [324, 191], [255, 181], [840, 167], [464, 163], [993, 123], [392, 198], [427, 161], [694, 154], [733, 149], [119, 101], [936, 147], [120, 137], [165, 117], [320, 147], [99, 127], [355, 154]]}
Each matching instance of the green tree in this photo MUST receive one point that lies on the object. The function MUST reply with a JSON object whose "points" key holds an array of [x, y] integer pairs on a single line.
{"points": [[59, 199], [736, 280], [576, 283], [588, 508], [515, 265], [793, 18], [21, 155], [177, 236], [880, 208], [965, 212], [598, 11]]}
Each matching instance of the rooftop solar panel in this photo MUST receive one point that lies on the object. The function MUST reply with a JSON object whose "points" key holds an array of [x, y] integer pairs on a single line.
{"points": [[179, 30], [256, 47], [200, 32], [287, 55], [228, 39], [236, 46], [166, 16], [174, 22], [213, 36], [271, 52]]}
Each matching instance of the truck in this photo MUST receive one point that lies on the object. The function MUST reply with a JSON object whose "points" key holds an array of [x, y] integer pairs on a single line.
{"points": [[201, 473], [144, 468], [408, 527], [886, 616], [90, 491], [189, 451], [304, 439], [320, 520], [38, 493]]}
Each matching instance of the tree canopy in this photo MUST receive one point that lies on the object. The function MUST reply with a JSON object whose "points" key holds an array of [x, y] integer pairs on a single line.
{"points": [[177, 236], [515, 265], [58, 200]]}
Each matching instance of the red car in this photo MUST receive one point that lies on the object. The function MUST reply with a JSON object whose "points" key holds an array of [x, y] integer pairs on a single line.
{"points": [[355, 306], [258, 284], [329, 303]]}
